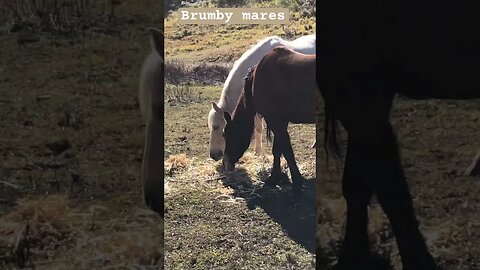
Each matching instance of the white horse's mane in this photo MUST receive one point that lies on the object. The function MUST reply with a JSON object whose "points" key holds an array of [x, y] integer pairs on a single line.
{"points": [[252, 48], [224, 101]]}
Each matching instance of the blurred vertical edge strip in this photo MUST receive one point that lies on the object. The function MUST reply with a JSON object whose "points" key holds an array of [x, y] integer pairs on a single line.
{"points": [[151, 104]]}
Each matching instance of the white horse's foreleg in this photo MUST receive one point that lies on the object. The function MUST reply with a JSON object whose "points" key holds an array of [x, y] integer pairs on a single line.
{"points": [[258, 135]]}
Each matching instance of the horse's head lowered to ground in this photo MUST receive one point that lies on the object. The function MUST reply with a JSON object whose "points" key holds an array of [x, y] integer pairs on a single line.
{"points": [[216, 124], [239, 128]]}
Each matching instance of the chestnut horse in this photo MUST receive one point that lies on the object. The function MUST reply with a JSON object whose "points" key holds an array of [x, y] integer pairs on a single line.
{"points": [[371, 51], [282, 89], [233, 87], [151, 106]]}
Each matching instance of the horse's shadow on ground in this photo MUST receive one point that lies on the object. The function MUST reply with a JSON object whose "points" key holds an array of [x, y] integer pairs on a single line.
{"points": [[295, 213]]}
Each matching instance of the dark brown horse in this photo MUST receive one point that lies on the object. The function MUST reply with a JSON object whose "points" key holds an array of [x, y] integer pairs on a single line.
{"points": [[281, 88], [371, 51]]}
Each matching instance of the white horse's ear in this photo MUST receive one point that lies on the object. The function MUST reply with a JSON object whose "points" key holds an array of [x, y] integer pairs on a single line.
{"points": [[157, 40], [216, 108], [227, 117]]}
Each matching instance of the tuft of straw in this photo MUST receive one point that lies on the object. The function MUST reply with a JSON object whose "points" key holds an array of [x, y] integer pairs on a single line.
{"points": [[174, 163], [47, 218], [48, 228]]}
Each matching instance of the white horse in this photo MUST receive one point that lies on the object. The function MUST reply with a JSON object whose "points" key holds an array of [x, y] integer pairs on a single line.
{"points": [[233, 87], [150, 101]]}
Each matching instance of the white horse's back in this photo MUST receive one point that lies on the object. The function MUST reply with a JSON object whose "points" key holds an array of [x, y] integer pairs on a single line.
{"points": [[304, 44]]}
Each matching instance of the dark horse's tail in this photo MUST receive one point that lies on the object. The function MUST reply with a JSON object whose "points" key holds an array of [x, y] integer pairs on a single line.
{"points": [[330, 140]]}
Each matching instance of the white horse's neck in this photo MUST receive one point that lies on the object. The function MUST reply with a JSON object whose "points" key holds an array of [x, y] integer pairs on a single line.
{"points": [[234, 83]]}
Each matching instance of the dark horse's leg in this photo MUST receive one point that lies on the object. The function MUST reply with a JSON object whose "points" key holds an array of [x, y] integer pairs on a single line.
{"points": [[282, 145], [297, 177], [357, 192], [277, 152], [394, 197], [376, 166]]}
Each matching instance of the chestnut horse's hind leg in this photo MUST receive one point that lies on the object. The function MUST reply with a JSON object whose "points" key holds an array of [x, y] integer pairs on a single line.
{"points": [[394, 197], [357, 192], [258, 135]]}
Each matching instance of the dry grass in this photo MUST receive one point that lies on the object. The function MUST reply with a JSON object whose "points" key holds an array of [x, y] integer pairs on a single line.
{"points": [[34, 223], [203, 193], [174, 163], [47, 218], [54, 227], [178, 73], [133, 242], [34, 20]]}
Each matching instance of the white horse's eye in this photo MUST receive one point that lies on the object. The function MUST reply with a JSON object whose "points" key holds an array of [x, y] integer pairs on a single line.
{"points": [[215, 127]]}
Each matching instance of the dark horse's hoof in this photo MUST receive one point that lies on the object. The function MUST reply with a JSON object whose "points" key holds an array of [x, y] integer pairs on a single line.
{"points": [[360, 257], [371, 263], [274, 180], [424, 262], [297, 185], [377, 262]]}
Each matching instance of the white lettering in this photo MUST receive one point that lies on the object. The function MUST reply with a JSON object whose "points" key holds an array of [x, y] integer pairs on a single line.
{"points": [[184, 15], [229, 16], [246, 16]]}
